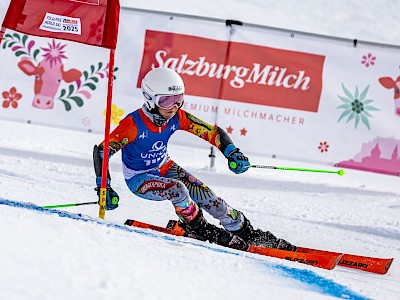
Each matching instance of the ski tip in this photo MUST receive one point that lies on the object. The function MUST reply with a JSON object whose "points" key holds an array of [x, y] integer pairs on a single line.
{"points": [[388, 265], [129, 222], [367, 264]]}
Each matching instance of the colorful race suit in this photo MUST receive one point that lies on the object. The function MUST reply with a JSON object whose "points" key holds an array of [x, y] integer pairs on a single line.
{"points": [[151, 174]]}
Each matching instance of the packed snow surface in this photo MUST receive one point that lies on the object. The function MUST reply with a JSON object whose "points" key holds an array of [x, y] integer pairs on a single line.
{"points": [[45, 256]]}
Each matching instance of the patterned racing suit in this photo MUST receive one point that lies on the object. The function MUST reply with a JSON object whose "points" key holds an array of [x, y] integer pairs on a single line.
{"points": [[151, 174]]}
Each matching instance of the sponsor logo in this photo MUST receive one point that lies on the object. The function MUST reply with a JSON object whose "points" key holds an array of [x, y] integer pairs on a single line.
{"points": [[252, 73], [175, 88], [155, 154], [152, 185], [61, 24], [67, 21], [302, 260], [353, 264]]}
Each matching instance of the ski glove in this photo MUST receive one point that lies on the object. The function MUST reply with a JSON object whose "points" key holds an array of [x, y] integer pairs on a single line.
{"points": [[112, 197], [237, 161]]}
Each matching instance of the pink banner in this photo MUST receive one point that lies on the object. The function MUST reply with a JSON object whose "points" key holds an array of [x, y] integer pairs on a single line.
{"points": [[247, 73], [92, 22]]}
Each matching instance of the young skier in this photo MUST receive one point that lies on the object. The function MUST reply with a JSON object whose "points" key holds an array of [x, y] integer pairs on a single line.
{"points": [[151, 174]]}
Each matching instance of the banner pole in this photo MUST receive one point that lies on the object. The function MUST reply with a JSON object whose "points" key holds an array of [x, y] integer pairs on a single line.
{"points": [[2, 33], [103, 188]]}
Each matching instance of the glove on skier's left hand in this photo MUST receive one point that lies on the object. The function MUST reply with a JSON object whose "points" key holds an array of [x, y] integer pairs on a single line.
{"points": [[112, 197], [237, 161]]}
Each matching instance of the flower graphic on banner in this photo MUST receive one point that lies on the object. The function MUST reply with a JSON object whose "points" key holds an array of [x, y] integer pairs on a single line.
{"points": [[54, 53], [116, 113], [356, 107], [86, 121], [368, 60], [11, 98], [79, 88], [323, 147]]}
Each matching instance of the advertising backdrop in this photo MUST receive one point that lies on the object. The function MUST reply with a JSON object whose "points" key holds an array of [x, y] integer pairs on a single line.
{"points": [[277, 93]]}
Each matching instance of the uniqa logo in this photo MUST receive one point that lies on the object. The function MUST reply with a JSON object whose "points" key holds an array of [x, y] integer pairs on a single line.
{"points": [[155, 154]]}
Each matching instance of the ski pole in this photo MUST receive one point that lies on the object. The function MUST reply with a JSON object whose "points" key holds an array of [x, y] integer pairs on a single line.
{"points": [[70, 204], [339, 172]]}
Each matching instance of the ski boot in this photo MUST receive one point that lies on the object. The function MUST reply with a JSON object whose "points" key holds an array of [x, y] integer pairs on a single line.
{"points": [[200, 229], [257, 237]]}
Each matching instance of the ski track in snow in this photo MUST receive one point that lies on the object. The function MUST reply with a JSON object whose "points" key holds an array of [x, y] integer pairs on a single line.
{"points": [[306, 277]]}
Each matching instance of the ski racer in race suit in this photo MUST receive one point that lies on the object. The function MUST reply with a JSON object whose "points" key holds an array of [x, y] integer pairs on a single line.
{"points": [[151, 174]]}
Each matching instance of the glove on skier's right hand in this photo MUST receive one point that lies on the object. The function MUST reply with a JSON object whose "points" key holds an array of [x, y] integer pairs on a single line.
{"points": [[112, 197]]}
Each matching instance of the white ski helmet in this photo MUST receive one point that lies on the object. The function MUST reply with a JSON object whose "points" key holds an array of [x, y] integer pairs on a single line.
{"points": [[161, 82]]}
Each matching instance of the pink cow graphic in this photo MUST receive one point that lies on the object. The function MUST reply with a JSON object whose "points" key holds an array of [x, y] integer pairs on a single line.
{"points": [[390, 83], [48, 75]]}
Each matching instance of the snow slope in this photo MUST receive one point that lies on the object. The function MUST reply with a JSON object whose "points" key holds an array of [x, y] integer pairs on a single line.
{"points": [[45, 256]]}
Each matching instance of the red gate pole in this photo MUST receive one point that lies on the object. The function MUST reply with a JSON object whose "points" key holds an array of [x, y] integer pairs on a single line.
{"points": [[103, 188]]}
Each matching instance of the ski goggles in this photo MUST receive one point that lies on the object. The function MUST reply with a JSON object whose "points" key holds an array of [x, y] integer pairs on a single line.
{"points": [[168, 101]]}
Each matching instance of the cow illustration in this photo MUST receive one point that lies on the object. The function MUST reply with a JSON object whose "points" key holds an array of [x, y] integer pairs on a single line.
{"points": [[48, 75], [390, 83]]}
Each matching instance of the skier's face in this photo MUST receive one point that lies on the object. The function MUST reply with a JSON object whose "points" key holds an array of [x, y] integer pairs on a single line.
{"points": [[168, 113]]}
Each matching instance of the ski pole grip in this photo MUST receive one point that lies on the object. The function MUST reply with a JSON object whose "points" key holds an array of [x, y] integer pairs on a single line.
{"points": [[233, 165], [114, 200]]}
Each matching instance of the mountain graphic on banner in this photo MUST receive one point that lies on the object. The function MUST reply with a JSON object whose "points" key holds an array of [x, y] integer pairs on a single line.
{"points": [[381, 155]]}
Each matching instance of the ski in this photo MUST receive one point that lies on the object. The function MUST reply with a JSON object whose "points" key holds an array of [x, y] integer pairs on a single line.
{"points": [[316, 260], [363, 263]]}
